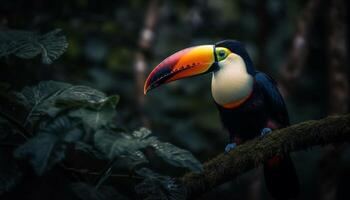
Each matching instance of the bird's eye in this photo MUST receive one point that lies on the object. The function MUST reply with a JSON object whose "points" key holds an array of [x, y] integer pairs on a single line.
{"points": [[222, 53]]}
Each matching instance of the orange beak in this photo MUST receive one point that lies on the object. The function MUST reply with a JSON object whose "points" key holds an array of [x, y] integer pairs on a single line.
{"points": [[186, 63]]}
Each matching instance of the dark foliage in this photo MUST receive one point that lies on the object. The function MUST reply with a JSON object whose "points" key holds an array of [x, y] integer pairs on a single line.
{"points": [[59, 119]]}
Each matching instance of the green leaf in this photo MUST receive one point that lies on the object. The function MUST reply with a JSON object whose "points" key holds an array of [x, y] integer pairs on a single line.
{"points": [[26, 44], [89, 192], [89, 149], [120, 145], [98, 114], [48, 147], [168, 152], [177, 157], [156, 186], [53, 45], [41, 100], [129, 146]]}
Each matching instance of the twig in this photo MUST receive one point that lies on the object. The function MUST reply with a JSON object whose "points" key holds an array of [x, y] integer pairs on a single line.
{"points": [[105, 173]]}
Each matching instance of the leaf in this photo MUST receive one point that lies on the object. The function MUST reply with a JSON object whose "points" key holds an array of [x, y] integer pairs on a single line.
{"points": [[177, 157], [129, 146], [120, 145], [52, 46], [41, 99], [26, 44], [95, 115], [168, 152], [156, 186], [89, 149], [88, 192], [48, 147]]}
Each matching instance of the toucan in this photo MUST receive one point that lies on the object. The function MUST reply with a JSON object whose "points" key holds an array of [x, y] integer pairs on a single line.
{"points": [[249, 102]]}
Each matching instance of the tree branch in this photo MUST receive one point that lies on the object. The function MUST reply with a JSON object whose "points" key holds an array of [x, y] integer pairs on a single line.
{"points": [[251, 154]]}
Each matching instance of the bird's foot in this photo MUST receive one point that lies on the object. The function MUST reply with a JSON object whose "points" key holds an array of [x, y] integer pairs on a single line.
{"points": [[265, 131], [230, 147]]}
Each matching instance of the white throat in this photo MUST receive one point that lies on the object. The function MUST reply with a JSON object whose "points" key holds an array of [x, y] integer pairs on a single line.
{"points": [[231, 83]]}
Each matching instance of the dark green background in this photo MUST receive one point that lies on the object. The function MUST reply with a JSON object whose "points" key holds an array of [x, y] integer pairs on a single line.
{"points": [[104, 39]]}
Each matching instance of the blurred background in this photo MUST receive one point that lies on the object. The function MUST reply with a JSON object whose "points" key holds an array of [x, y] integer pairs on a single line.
{"points": [[113, 45]]}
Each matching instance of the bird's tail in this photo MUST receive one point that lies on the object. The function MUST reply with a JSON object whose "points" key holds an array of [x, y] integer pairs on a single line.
{"points": [[281, 178]]}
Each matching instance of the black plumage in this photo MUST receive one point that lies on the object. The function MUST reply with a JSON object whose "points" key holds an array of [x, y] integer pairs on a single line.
{"points": [[265, 108]]}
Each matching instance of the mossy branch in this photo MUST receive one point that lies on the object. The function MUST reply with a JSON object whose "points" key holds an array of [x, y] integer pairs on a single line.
{"points": [[251, 154]]}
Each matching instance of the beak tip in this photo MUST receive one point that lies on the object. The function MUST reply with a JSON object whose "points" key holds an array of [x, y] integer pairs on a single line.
{"points": [[146, 88]]}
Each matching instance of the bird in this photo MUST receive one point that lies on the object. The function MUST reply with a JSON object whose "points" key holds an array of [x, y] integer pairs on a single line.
{"points": [[248, 101]]}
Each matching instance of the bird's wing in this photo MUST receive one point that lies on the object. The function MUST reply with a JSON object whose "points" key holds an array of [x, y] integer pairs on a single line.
{"points": [[273, 98]]}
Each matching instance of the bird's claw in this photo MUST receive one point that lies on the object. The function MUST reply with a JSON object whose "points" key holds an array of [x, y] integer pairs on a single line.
{"points": [[229, 147], [265, 131]]}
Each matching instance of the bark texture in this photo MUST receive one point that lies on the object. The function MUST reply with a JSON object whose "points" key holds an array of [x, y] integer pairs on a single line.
{"points": [[251, 154]]}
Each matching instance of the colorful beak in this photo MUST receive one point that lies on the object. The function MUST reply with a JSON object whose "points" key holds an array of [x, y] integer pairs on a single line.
{"points": [[186, 63]]}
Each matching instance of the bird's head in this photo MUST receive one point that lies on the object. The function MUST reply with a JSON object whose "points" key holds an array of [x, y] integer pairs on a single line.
{"points": [[196, 61]]}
